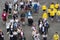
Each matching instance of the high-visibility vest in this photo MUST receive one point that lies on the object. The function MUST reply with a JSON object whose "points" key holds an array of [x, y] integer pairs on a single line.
{"points": [[58, 13], [49, 10], [55, 37], [56, 5], [44, 7], [45, 15], [52, 13], [52, 6]]}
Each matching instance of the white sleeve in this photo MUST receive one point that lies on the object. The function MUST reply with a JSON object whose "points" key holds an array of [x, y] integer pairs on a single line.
{"points": [[7, 25], [2, 35]]}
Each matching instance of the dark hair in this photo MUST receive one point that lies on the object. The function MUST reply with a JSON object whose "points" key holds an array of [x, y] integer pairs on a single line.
{"points": [[56, 32], [4, 9], [52, 3]]}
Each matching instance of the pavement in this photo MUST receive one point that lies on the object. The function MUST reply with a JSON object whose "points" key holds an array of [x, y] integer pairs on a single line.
{"points": [[54, 26]]}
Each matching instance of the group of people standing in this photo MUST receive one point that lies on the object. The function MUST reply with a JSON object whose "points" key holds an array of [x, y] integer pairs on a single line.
{"points": [[20, 11]]}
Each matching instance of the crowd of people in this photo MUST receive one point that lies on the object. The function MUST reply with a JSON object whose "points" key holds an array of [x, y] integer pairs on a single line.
{"points": [[18, 12]]}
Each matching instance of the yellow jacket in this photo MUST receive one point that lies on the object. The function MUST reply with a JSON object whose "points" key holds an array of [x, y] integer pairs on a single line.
{"points": [[44, 7], [52, 6], [55, 10], [52, 13], [49, 10], [45, 15], [58, 13], [56, 5], [55, 37]]}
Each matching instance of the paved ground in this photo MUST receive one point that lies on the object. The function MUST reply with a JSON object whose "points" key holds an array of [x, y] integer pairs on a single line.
{"points": [[53, 26]]}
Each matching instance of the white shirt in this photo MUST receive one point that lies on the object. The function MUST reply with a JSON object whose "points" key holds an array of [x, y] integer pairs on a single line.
{"points": [[30, 17], [38, 4], [10, 5], [33, 33], [15, 33], [18, 30], [33, 3], [10, 35], [29, 13], [7, 25], [15, 1], [40, 25], [37, 38], [16, 20], [43, 29], [15, 12], [21, 3], [33, 28], [16, 7], [22, 34], [44, 35]]}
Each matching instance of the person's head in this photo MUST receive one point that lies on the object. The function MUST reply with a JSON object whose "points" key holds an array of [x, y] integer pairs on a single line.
{"points": [[51, 9], [4, 10], [6, 2], [30, 2], [52, 3], [56, 32]]}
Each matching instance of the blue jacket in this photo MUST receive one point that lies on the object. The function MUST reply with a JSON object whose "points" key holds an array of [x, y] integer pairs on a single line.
{"points": [[29, 14]]}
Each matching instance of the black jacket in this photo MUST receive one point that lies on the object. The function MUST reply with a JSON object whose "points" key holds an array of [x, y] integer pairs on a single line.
{"points": [[2, 36]]}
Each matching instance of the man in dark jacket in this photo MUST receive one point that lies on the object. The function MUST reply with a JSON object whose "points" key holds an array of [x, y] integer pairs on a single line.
{"points": [[43, 29], [6, 6]]}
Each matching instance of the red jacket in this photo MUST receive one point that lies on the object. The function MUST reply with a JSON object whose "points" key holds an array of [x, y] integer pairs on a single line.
{"points": [[4, 15]]}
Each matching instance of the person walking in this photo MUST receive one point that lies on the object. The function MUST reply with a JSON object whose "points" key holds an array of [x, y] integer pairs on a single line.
{"points": [[56, 36], [6, 7], [10, 7]]}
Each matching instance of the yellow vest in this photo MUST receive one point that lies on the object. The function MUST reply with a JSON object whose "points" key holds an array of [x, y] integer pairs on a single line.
{"points": [[55, 10], [56, 5], [49, 10], [58, 13], [52, 6], [44, 7], [52, 13], [55, 37], [45, 15]]}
